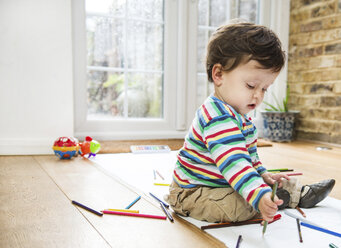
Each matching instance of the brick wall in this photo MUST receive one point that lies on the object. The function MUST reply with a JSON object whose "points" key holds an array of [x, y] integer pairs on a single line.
{"points": [[314, 68]]}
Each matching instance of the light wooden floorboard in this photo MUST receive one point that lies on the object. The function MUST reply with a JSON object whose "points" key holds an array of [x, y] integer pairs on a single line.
{"points": [[36, 194], [35, 213]]}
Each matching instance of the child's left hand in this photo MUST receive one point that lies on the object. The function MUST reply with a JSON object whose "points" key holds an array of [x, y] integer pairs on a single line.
{"points": [[271, 178]]}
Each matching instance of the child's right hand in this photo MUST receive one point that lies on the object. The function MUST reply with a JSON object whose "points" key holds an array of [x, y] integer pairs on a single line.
{"points": [[267, 207]]}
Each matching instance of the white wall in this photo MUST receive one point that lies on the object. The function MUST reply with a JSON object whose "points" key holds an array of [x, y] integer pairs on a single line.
{"points": [[36, 85]]}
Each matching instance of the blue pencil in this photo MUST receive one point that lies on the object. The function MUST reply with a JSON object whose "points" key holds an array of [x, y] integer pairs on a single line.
{"points": [[321, 229], [131, 204], [164, 204], [87, 208]]}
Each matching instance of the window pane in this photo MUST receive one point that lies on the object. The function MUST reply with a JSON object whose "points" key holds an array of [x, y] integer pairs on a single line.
{"points": [[105, 42], [105, 94], [144, 95], [219, 12], [248, 10], [203, 6], [112, 7], [147, 9], [202, 42], [144, 45]]}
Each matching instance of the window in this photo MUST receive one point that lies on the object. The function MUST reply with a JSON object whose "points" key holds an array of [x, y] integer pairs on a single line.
{"points": [[211, 15], [124, 59], [138, 64]]}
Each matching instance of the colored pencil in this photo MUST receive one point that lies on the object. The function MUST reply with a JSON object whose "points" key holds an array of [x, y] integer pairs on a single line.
{"points": [[301, 212], [131, 204], [295, 174], [162, 184], [274, 189], [160, 175], [239, 240], [165, 204], [299, 230], [287, 212], [331, 245], [227, 224], [280, 170], [123, 210], [154, 174], [166, 212], [135, 215], [276, 217], [87, 208], [321, 229]]}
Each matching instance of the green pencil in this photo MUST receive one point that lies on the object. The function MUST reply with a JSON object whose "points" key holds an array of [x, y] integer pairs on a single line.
{"points": [[280, 170], [274, 189]]}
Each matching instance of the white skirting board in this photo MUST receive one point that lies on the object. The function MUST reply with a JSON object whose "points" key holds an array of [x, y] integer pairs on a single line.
{"points": [[136, 170]]}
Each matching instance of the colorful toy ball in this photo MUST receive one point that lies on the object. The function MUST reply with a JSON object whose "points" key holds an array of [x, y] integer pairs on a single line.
{"points": [[89, 146], [65, 147]]}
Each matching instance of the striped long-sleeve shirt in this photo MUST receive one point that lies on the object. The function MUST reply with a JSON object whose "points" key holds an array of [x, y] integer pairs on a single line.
{"points": [[220, 151]]}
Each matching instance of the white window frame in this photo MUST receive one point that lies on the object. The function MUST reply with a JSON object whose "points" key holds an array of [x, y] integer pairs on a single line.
{"points": [[180, 72], [276, 16]]}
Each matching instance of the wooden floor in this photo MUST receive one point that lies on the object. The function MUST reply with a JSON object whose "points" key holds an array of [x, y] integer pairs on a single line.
{"points": [[36, 194]]}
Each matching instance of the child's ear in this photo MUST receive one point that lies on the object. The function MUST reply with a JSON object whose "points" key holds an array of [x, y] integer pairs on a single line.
{"points": [[217, 74]]}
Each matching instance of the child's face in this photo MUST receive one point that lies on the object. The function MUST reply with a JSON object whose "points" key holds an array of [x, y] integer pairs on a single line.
{"points": [[244, 87]]}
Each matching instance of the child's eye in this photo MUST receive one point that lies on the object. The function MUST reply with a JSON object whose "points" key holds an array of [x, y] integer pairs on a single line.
{"points": [[264, 90], [250, 86]]}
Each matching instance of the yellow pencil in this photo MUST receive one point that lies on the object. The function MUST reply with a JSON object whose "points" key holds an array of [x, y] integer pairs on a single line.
{"points": [[162, 184], [124, 210]]}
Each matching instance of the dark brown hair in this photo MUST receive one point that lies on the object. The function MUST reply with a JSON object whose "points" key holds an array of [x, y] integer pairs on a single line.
{"points": [[238, 43]]}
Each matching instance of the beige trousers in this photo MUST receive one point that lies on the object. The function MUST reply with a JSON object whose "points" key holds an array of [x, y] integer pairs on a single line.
{"points": [[220, 204]]}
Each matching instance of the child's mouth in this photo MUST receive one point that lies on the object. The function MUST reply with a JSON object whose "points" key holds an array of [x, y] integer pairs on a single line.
{"points": [[251, 106]]}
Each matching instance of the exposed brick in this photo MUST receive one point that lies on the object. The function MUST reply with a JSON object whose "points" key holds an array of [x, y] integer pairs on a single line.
{"points": [[312, 26], [333, 48], [336, 139], [331, 74], [331, 22], [314, 136], [323, 10], [337, 88], [300, 16], [330, 101], [298, 64], [309, 101], [300, 39], [336, 127], [321, 62], [325, 35], [320, 88], [334, 114], [312, 76], [309, 52], [314, 73]]}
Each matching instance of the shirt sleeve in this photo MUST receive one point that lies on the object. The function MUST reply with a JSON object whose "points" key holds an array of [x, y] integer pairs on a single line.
{"points": [[227, 145]]}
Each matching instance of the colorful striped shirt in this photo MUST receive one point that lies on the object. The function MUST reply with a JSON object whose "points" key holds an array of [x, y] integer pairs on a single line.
{"points": [[220, 150]]}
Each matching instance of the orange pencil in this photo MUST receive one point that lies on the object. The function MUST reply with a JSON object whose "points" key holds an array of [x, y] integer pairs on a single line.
{"points": [[300, 210]]}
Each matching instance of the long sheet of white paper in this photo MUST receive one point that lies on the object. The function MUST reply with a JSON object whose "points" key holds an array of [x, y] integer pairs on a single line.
{"points": [[137, 171]]}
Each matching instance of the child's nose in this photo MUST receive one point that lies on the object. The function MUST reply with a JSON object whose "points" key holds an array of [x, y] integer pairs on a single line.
{"points": [[258, 94]]}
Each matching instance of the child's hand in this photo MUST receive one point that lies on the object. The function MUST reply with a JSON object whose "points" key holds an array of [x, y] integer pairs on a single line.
{"points": [[271, 178], [267, 207]]}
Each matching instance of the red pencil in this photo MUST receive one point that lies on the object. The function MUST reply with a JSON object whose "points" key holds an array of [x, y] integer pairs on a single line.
{"points": [[276, 217], [134, 214], [294, 174]]}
